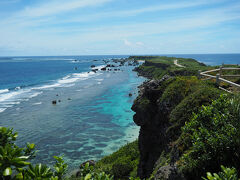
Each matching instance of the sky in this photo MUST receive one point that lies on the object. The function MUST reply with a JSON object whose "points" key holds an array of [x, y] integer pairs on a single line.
{"points": [[121, 27]]}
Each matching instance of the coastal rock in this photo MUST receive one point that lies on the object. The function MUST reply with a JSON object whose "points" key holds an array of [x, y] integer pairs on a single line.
{"points": [[153, 138], [168, 173], [110, 65], [91, 163], [94, 70], [92, 66], [103, 69], [130, 94]]}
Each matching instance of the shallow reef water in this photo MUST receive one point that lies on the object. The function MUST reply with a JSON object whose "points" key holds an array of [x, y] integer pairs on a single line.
{"points": [[92, 117]]}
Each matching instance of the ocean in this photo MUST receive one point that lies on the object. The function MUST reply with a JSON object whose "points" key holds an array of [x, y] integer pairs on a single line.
{"points": [[211, 59], [92, 117]]}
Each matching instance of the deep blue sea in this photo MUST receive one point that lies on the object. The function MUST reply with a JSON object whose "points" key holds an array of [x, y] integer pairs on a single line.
{"points": [[93, 117]]}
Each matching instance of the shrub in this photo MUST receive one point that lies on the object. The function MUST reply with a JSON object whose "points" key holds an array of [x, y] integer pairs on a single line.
{"points": [[88, 172], [212, 137], [184, 110], [122, 169], [14, 160], [177, 91], [226, 174], [121, 163], [12, 157]]}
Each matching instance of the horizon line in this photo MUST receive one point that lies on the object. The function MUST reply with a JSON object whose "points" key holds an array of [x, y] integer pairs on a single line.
{"points": [[115, 54]]}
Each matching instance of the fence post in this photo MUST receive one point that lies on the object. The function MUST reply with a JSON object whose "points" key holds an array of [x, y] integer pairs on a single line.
{"points": [[199, 74], [217, 79], [220, 72]]}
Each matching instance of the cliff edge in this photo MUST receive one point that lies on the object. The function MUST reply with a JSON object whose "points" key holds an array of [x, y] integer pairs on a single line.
{"points": [[165, 102]]}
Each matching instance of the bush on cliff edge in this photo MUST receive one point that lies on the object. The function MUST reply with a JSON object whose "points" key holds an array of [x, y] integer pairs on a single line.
{"points": [[183, 112], [212, 138]]}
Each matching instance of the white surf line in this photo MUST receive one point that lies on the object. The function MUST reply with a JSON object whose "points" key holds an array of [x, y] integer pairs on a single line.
{"points": [[179, 65]]}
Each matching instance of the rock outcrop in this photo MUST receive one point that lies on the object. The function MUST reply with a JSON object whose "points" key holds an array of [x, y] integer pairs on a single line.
{"points": [[54, 102], [168, 173], [151, 118], [103, 69]]}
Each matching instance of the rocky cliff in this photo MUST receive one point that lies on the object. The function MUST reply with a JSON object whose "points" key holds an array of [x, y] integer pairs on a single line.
{"points": [[161, 109], [152, 116]]}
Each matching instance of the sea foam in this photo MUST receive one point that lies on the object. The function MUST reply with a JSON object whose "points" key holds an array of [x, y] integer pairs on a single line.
{"points": [[8, 98], [99, 67], [3, 91], [9, 95], [2, 109], [46, 86]]}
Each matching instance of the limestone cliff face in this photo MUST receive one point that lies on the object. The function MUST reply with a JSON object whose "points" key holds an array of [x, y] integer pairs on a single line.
{"points": [[152, 116]]}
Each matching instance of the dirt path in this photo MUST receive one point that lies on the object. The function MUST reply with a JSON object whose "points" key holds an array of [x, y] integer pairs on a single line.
{"points": [[179, 65]]}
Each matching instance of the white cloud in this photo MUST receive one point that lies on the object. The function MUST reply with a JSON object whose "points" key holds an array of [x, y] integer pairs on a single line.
{"points": [[133, 44], [164, 7], [134, 12], [127, 43], [139, 43], [57, 7]]}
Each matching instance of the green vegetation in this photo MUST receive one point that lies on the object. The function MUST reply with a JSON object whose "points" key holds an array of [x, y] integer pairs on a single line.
{"points": [[202, 95], [226, 174], [158, 66], [203, 124], [122, 163], [163, 160], [14, 161], [144, 103], [88, 172], [178, 90], [211, 137]]}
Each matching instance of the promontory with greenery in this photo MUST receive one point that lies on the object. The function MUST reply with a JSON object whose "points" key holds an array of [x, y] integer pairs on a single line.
{"points": [[189, 129]]}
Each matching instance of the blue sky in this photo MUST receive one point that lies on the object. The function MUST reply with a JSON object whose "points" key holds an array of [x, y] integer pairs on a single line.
{"points": [[95, 27]]}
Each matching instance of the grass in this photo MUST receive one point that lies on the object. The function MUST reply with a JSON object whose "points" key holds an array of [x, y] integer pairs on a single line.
{"points": [[158, 66], [121, 163]]}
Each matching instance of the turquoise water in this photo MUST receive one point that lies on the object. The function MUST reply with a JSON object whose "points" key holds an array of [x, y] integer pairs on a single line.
{"points": [[123, 115], [93, 119]]}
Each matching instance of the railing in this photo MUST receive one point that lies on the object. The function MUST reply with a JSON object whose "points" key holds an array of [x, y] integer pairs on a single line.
{"points": [[220, 77]]}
